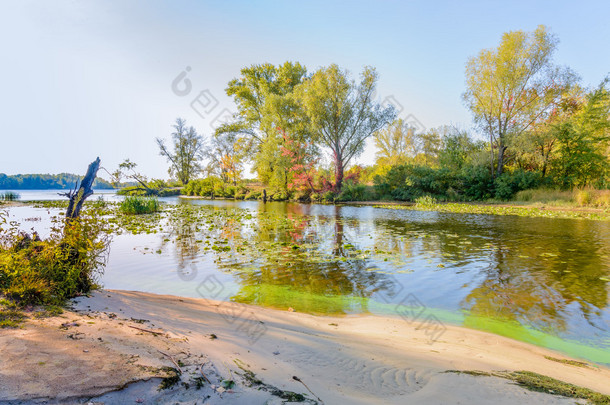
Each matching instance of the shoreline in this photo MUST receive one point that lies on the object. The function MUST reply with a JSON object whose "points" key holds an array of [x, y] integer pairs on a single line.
{"points": [[120, 338]]}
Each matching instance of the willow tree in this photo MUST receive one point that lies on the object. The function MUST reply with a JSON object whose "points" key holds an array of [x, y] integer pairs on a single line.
{"points": [[188, 149], [341, 113], [263, 95], [513, 87]]}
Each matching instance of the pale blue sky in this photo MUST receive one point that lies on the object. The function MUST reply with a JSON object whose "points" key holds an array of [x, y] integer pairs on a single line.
{"points": [[80, 79]]}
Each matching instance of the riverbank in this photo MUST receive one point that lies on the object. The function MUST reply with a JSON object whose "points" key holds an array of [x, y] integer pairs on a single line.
{"points": [[533, 209], [235, 353]]}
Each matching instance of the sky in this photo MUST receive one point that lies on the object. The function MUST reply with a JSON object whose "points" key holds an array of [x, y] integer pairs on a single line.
{"points": [[80, 79]]}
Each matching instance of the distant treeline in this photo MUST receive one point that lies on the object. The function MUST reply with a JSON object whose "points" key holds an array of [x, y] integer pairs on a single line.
{"points": [[45, 181]]}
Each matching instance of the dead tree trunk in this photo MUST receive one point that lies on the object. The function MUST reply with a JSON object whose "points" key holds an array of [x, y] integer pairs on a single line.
{"points": [[79, 194]]}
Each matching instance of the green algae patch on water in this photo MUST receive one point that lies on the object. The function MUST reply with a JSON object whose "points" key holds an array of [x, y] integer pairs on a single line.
{"points": [[526, 334], [285, 297]]}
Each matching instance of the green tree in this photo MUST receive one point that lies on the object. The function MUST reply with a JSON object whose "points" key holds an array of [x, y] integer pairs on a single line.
{"points": [[342, 113], [226, 154], [583, 142], [457, 149], [264, 98], [514, 86], [188, 150], [395, 143]]}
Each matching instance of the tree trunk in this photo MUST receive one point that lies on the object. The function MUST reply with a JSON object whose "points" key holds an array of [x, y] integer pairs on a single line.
{"points": [[77, 197], [501, 150], [338, 174]]}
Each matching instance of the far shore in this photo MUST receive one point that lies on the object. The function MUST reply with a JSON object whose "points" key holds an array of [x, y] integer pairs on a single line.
{"points": [[111, 348]]}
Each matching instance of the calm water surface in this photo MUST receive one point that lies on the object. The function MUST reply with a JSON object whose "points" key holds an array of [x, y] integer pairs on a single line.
{"points": [[540, 280]]}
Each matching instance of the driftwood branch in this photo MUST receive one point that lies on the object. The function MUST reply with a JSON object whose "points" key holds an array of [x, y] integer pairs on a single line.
{"points": [[147, 330], [172, 359], [78, 196]]}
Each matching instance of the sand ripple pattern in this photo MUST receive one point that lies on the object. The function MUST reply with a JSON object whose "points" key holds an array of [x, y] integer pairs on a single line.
{"points": [[370, 376]]}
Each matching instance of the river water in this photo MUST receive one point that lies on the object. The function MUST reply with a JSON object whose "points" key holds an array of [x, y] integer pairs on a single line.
{"points": [[540, 280]]}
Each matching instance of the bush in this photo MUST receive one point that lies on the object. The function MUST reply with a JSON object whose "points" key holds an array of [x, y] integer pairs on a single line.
{"points": [[329, 197], [254, 195], [426, 202], [137, 205], [508, 184], [476, 183], [68, 263], [169, 192], [353, 192]]}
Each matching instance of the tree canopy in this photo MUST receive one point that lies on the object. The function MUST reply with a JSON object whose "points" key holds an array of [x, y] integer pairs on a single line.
{"points": [[514, 86], [188, 149]]}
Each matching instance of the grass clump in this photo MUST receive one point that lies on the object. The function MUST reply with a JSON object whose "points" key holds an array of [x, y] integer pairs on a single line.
{"points": [[138, 205], [585, 197], [426, 201], [10, 316], [9, 196]]}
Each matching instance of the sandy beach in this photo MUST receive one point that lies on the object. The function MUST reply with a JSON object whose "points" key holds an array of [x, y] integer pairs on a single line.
{"points": [[112, 348]]}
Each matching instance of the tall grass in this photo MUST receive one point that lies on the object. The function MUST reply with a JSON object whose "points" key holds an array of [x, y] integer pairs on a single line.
{"points": [[587, 197], [9, 196], [137, 205]]}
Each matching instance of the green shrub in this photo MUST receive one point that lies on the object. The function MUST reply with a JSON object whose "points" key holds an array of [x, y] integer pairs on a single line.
{"points": [[68, 263], [353, 192], [329, 197], [169, 192], [425, 202], [508, 184], [137, 205], [254, 195]]}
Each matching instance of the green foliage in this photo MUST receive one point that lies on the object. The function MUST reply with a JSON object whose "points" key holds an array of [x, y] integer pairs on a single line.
{"points": [[137, 205], [341, 113], [425, 202], [355, 192], [408, 183], [511, 87], [508, 184], [185, 156], [46, 182], [583, 140], [68, 263], [328, 197]]}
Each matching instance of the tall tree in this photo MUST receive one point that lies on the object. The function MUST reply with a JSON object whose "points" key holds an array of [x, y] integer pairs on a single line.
{"points": [[263, 95], [583, 142], [226, 155], [395, 143], [514, 86], [342, 113], [188, 149]]}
